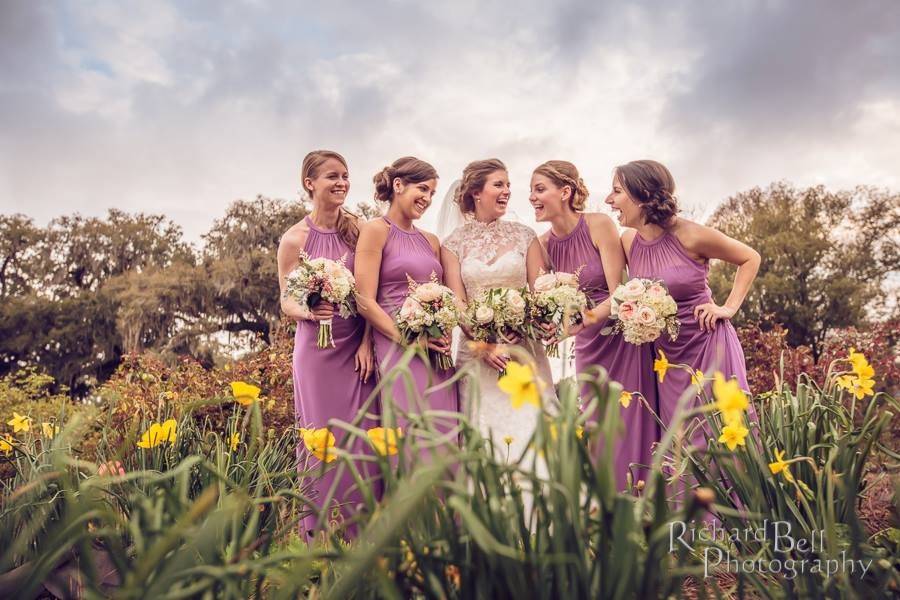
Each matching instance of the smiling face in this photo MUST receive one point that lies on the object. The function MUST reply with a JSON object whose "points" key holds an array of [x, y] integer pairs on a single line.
{"points": [[413, 198], [548, 199], [492, 200], [328, 184], [628, 212]]}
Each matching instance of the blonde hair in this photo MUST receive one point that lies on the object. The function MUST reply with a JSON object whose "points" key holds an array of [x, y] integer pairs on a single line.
{"points": [[473, 179], [563, 173], [346, 225]]}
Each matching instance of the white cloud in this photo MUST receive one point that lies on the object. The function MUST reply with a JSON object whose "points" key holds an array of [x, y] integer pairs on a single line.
{"points": [[182, 108]]}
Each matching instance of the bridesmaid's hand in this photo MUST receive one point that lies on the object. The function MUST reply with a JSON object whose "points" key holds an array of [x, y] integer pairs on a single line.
{"points": [[513, 338], [441, 344], [548, 332], [495, 357], [365, 360], [322, 311], [708, 313]]}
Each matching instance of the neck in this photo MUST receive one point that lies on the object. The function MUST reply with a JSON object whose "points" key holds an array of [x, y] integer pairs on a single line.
{"points": [[564, 224], [483, 218], [398, 218], [650, 231], [326, 218]]}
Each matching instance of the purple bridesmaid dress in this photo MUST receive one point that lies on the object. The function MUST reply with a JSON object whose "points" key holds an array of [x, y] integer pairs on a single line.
{"points": [[409, 253], [326, 386], [630, 365], [708, 351]]}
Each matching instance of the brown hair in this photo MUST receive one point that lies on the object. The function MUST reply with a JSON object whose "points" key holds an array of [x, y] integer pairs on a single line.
{"points": [[409, 169], [563, 173], [652, 186], [473, 179], [346, 225]]}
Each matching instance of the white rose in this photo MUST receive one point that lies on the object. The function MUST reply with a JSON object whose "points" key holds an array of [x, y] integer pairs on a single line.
{"points": [[429, 292], [627, 311], [567, 279], [484, 314], [545, 282], [634, 289], [515, 300]]}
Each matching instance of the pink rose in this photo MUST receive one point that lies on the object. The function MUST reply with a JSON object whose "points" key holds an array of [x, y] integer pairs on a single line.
{"points": [[646, 316], [656, 291], [545, 282], [627, 310]]}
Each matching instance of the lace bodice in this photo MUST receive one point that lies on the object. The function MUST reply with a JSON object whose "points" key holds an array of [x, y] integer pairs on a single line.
{"points": [[491, 254]]}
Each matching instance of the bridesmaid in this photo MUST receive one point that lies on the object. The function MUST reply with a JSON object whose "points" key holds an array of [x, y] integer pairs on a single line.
{"points": [[328, 231], [661, 245], [590, 242], [391, 250]]}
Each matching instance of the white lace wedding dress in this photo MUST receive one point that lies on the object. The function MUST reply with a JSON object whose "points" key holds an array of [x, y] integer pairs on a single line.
{"points": [[493, 255]]}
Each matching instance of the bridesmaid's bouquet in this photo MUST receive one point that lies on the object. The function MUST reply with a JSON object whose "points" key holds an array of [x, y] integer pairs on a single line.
{"points": [[318, 279], [430, 310], [558, 301], [498, 314], [642, 309]]}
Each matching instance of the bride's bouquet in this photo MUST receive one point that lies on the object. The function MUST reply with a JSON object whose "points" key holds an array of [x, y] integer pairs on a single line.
{"points": [[497, 315], [642, 309], [322, 279], [430, 310], [557, 301]]}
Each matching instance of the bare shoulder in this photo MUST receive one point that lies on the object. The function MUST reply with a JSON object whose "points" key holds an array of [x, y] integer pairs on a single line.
{"points": [[294, 239], [544, 238], [690, 233], [433, 240], [376, 229], [600, 225]]}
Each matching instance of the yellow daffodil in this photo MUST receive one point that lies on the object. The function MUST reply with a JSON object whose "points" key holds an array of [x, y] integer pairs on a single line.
{"points": [[625, 399], [519, 382], [661, 365], [19, 423], [579, 432], [731, 400], [384, 440], [697, 378], [244, 393], [49, 430], [234, 441], [318, 442], [734, 435], [780, 466], [158, 434], [6, 444], [861, 366], [508, 440]]}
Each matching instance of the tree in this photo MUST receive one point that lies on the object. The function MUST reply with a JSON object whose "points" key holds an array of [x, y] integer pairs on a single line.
{"points": [[20, 246], [240, 261], [85, 252], [826, 256]]}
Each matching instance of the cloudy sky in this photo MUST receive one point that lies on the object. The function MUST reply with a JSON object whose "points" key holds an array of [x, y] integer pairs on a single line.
{"points": [[182, 107]]}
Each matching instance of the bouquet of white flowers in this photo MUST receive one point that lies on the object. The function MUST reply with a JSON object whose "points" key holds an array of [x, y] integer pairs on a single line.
{"points": [[430, 310], [642, 309], [498, 314], [322, 279], [556, 300]]}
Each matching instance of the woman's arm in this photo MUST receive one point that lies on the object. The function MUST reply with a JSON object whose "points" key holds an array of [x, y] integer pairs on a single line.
{"points": [[710, 243], [605, 237], [372, 237], [535, 261]]}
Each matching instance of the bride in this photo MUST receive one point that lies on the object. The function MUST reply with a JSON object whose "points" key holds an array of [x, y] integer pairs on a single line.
{"points": [[485, 251]]}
